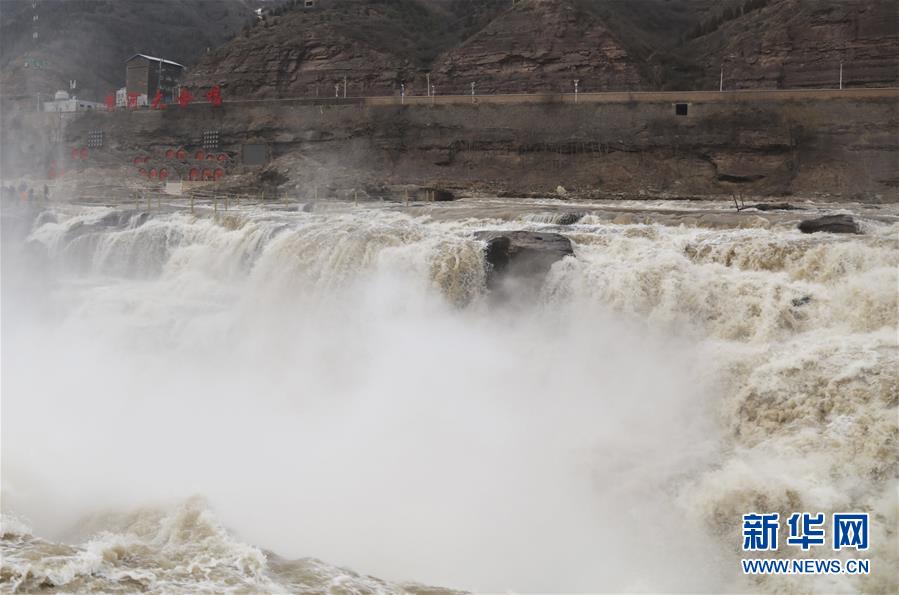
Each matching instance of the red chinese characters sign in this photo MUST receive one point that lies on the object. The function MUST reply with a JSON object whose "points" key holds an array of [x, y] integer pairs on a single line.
{"points": [[157, 100], [184, 97], [215, 96]]}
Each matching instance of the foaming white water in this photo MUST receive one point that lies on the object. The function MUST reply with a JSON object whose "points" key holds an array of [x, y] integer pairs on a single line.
{"points": [[338, 386], [183, 549]]}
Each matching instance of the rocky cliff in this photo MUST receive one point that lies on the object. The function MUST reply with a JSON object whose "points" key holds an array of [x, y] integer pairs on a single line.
{"points": [[800, 43], [540, 45], [544, 45], [373, 45], [505, 46], [514, 47]]}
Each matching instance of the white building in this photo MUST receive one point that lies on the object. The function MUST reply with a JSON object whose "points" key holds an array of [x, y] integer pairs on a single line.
{"points": [[63, 103]]}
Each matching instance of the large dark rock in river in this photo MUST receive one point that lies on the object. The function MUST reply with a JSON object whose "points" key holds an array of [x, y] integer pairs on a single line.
{"points": [[831, 223], [774, 206], [522, 254], [569, 218]]}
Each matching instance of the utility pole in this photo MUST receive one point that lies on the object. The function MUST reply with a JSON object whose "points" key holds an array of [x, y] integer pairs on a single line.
{"points": [[402, 92], [472, 91], [337, 90], [428, 79], [841, 75], [576, 81], [344, 86], [721, 83]]}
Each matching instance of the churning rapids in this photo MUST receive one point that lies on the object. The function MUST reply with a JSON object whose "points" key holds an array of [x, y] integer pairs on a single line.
{"points": [[196, 403]]}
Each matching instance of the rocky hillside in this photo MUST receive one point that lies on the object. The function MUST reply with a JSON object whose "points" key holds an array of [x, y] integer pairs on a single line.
{"points": [[506, 46], [88, 40], [540, 45], [798, 43], [620, 45], [293, 52]]}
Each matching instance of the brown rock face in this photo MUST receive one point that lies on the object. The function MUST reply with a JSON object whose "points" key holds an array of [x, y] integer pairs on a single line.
{"points": [[533, 46], [380, 45], [376, 46], [539, 45], [800, 43]]}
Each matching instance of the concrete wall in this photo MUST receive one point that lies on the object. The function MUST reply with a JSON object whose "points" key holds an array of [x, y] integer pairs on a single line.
{"points": [[841, 143]]}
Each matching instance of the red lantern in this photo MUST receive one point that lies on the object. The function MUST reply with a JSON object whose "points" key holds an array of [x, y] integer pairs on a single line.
{"points": [[182, 154], [163, 174], [84, 152], [219, 173], [153, 172], [194, 173], [223, 157], [207, 174], [170, 154], [200, 156], [142, 172], [75, 153]]}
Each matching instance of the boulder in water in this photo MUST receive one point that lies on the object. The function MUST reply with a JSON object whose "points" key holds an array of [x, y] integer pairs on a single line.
{"points": [[569, 218], [522, 254], [831, 223], [774, 206]]}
